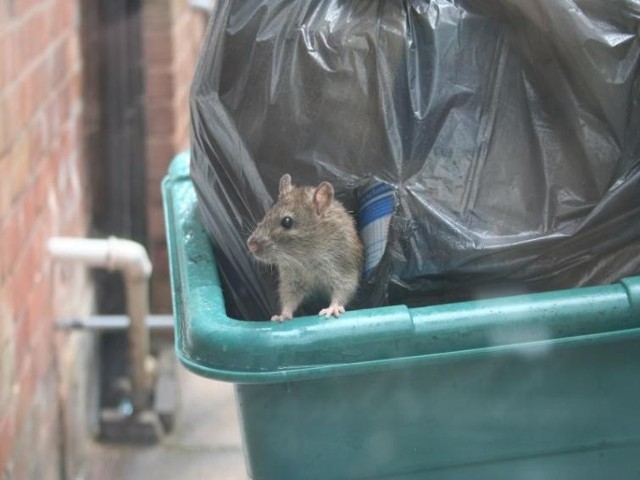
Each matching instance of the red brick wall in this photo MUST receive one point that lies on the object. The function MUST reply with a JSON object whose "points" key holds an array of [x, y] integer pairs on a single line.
{"points": [[172, 36], [41, 195]]}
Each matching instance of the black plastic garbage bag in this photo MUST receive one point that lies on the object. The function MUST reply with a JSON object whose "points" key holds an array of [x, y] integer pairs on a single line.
{"points": [[507, 131]]}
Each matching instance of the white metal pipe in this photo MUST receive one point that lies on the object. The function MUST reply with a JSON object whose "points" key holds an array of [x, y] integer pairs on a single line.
{"points": [[132, 260], [205, 5], [138, 337], [112, 253]]}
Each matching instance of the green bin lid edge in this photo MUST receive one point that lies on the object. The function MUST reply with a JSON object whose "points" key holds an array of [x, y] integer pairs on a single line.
{"points": [[211, 344]]}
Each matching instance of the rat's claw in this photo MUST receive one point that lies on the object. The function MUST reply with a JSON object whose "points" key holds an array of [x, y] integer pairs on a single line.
{"points": [[281, 318], [332, 311]]}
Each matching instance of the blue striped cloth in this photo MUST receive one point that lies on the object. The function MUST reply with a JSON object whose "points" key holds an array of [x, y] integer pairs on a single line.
{"points": [[376, 207]]}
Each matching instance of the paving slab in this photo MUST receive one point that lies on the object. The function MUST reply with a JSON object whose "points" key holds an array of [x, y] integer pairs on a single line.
{"points": [[205, 443]]}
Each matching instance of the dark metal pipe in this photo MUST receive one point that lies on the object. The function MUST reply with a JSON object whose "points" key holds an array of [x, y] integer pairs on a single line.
{"points": [[106, 323]]}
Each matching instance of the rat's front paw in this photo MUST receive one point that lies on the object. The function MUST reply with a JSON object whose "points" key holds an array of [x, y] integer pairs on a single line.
{"points": [[282, 317], [332, 311]]}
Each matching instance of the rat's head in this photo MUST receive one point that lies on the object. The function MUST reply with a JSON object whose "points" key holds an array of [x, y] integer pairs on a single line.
{"points": [[291, 229]]}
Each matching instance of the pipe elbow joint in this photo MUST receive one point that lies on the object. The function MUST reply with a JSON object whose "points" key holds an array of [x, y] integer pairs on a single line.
{"points": [[129, 257]]}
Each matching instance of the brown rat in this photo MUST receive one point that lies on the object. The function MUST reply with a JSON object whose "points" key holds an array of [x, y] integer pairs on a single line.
{"points": [[313, 241]]}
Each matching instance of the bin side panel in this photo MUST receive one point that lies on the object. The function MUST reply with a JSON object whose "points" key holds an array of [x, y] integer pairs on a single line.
{"points": [[566, 413]]}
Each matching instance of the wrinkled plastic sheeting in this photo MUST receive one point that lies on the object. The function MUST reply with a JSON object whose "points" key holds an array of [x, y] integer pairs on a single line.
{"points": [[509, 130]]}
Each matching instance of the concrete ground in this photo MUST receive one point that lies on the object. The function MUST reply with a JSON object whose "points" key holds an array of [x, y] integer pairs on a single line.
{"points": [[205, 443]]}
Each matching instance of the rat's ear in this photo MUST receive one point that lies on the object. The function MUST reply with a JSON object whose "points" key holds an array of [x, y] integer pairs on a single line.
{"points": [[285, 185], [322, 197]]}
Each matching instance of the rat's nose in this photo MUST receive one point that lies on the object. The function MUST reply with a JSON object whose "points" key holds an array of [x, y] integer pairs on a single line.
{"points": [[253, 244]]}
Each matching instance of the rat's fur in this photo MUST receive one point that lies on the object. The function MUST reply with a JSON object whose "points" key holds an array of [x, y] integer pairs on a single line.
{"points": [[321, 252]]}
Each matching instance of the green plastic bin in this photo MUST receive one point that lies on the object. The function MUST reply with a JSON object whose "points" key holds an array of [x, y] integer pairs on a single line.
{"points": [[541, 386]]}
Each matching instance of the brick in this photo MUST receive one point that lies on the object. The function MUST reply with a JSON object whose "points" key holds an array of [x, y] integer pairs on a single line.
{"points": [[4, 47], [182, 135], [177, 9], [11, 232], [157, 47], [160, 151], [19, 165], [38, 257], [32, 34], [52, 115], [20, 467], [184, 68], [181, 101], [58, 62], [6, 315], [42, 344], [10, 59], [31, 205], [27, 431], [160, 262], [40, 86], [156, 15], [4, 19], [74, 225], [7, 370], [160, 120], [155, 222], [188, 32], [63, 18], [47, 434], [72, 52], [67, 101], [7, 436], [21, 342], [72, 13], [159, 84], [160, 296], [33, 254], [22, 7], [37, 134], [30, 214], [157, 169], [19, 285], [14, 112], [7, 351], [154, 195], [76, 95], [69, 108], [36, 198], [57, 21], [26, 103], [27, 385], [67, 125], [5, 195], [51, 23]]}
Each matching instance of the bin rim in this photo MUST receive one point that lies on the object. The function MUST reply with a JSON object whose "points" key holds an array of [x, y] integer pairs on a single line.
{"points": [[210, 343]]}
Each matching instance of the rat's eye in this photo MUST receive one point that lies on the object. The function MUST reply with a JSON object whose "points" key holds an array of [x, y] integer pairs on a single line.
{"points": [[286, 222]]}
